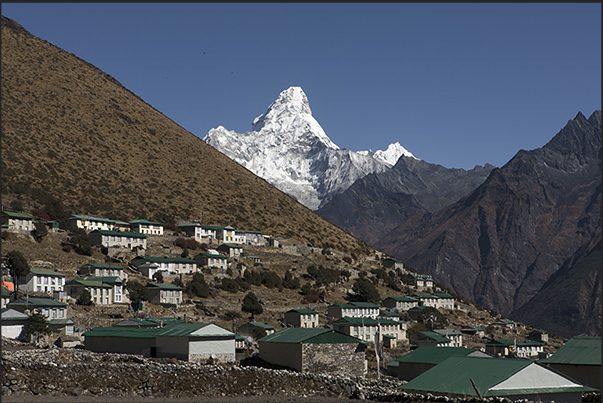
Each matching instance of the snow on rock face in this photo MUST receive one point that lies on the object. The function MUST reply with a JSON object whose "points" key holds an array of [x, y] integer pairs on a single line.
{"points": [[289, 149]]}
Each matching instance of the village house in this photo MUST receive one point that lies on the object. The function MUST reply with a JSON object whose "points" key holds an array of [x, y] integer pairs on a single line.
{"points": [[416, 311], [231, 250], [248, 328], [427, 300], [393, 264], [88, 223], [390, 315], [147, 322], [52, 226], [211, 259], [366, 328], [301, 318], [194, 342], [251, 237], [430, 339], [316, 350], [452, 334], [508, 348], [415, 362], [226, 233], [514, 379], [42, 280], [54, 311], [173, 265], [400, 303], [146, 227], [102, 270], [164, 293], [539, 335], [473, 330], [580, 359], [118, 239], [150, 269], [509, 324], [12, 323], [445, 300], [423, 281], [4, 298], [103, 290], [194, 230], [17, 222], [354, 310]]}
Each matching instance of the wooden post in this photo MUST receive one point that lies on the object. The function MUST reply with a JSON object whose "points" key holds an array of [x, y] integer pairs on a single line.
{"points": [[475, 387]]}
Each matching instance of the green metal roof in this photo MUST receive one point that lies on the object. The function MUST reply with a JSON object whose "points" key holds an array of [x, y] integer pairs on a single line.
{"points": [[134, 332], [13, 214], [356, 305], [499, 342], [194, 330], [37, 302], [232, 245], [86, 217], [165, 286], [448, 332], [165, 259], [189, 224], [346, 320], [119, 233], [92, 281], [309, 335], [580, 350], [433, 355], [142, 221], [443, 295], [454, 375], [427, 296], [263, 325], [102, 266], [433, 336], [46, 272], [303, 311], [402, 299], [61, 322], [212, 255]]}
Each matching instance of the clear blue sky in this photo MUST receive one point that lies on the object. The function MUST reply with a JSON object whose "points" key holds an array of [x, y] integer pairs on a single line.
{"points": [[456, 84]]}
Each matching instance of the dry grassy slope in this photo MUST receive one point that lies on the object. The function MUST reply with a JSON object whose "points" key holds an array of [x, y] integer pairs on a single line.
{"points": [[72, 130]]}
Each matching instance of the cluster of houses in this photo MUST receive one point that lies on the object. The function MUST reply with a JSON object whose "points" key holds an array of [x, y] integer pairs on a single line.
{"points": [[133, 235], [502, 368]]}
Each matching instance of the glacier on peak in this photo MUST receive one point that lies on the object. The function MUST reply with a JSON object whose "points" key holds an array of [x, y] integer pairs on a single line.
{"points": [[289, 149]]}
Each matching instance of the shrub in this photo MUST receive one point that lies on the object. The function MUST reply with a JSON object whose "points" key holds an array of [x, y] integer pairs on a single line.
{"points": [[229, 285], [252, 305]]}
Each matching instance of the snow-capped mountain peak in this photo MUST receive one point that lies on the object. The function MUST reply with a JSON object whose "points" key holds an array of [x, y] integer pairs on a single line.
{"points": [[288, 148], [291, 113]]}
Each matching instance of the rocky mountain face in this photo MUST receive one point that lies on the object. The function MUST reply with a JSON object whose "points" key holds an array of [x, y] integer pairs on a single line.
{"points": [[379, 202], [502, 244], [289, 149]]}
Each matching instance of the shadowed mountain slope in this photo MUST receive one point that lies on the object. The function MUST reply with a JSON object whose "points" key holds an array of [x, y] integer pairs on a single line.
{"points": [[500, 245], [379, 202]]}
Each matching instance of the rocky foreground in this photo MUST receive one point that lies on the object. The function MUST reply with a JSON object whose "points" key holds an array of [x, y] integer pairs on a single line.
{"points": [[76, 372]]}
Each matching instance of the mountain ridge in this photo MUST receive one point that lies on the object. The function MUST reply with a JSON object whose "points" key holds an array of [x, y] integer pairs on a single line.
{"points": [[499, 245], [289, 149]]}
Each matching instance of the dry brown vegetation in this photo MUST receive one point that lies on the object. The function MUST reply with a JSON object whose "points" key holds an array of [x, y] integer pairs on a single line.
{"points": [[73, 132]]}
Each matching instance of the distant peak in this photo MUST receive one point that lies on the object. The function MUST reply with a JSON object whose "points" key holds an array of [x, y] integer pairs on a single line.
{"points": [[291, 102]]}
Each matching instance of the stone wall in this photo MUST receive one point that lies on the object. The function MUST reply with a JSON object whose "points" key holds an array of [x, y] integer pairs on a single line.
{"points": [[346, 359]]}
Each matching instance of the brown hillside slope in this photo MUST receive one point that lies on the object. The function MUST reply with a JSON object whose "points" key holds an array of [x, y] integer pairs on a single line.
{"points": [[72, 131]]}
